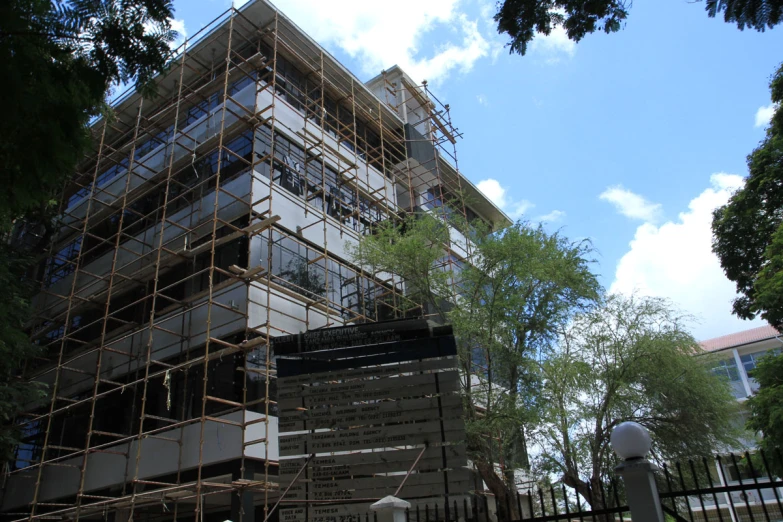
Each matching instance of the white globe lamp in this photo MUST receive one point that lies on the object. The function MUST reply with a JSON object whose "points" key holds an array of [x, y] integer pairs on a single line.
{"points": [[631, 440]]}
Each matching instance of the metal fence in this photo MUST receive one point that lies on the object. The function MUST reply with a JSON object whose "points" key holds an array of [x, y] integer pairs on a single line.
{"points": [[727, 488], [543, 504]]}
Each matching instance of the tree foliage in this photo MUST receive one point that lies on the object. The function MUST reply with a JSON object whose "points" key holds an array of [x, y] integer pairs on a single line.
{"points": [[58, 61], [549, 366], [520, 286], [766, 410], [15, 348], [629, 359], [748, 230], [522, 19]]}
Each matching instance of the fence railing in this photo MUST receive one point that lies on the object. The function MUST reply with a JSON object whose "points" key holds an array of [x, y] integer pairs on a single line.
{"points": [[724, 488], [548, 504], [727, 488], [702, 490]]}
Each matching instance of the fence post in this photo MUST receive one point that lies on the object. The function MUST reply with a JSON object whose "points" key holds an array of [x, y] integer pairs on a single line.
{"points": [[631, 441], [391, 509]]}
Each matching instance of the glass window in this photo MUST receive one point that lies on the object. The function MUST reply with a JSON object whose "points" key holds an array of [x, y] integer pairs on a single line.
{"points": [[240, 84], [62, 263], [303, 270], [154, 142], [28, 452], [750, 360], [727, 368], [100, 181]]}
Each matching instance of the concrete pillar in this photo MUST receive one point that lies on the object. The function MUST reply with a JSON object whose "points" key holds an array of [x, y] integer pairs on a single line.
{"points": [[631, 441], [641, 490], [391, 509]]}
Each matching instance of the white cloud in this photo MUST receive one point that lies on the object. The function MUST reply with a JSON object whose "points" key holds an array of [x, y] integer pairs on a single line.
{"points": [[675, 261], [554, 46], [492, 189], [519, 208], [499, 196], [552, 217], [631, 205], [381, 37], [482, 100], [764, 114], [182, 33]]}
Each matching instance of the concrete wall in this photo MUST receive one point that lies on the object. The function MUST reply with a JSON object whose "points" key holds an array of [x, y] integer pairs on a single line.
{"points": [[258, 431]]}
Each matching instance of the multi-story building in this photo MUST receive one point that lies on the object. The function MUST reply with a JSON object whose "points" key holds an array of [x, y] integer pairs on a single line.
{"points": [[735, 356], [204, 223], [738, 354]]}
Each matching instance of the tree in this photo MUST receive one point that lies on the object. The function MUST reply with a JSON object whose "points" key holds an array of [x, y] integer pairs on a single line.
{"points": [[522, 19], [58, 61], [520, 287], [748, 230], [766, 410], [630, 359], [506, 305]]}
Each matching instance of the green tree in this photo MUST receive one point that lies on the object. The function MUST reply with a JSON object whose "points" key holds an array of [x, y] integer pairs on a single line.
{"points": [[522, 19], [520, 286], [766, 411], [748, 230], [58, 61], [629, 359]]}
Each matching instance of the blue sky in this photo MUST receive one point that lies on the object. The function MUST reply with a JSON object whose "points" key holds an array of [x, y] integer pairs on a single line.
{"points": [[628, 139]]}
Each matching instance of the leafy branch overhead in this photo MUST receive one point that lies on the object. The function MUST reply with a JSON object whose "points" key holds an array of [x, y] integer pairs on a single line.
{"points": [[58, 61], [521, 20], [748, 230]]}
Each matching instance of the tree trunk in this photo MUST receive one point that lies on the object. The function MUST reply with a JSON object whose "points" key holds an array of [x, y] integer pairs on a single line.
{"points": [[591, 491], [505, 497]]}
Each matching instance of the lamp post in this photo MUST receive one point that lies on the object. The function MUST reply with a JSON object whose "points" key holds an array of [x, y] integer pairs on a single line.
{"points": [[631, 441]]}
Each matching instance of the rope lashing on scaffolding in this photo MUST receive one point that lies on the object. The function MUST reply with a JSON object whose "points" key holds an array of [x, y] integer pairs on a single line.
{"points": [[193, 158], [167, 384]]}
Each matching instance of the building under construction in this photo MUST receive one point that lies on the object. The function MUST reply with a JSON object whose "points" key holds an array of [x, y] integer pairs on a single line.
{"points": [[204, 223]]}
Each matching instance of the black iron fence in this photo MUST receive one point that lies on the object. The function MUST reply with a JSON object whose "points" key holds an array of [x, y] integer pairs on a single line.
{"points": [[728, 488], [551, 503]]}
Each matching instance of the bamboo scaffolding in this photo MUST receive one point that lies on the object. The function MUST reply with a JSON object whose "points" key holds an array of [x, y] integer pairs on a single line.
{"points": [[148, 276]]}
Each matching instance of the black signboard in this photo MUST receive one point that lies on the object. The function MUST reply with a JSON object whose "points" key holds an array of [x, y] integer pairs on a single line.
{"points": [[358, 406], [359, 335]]}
